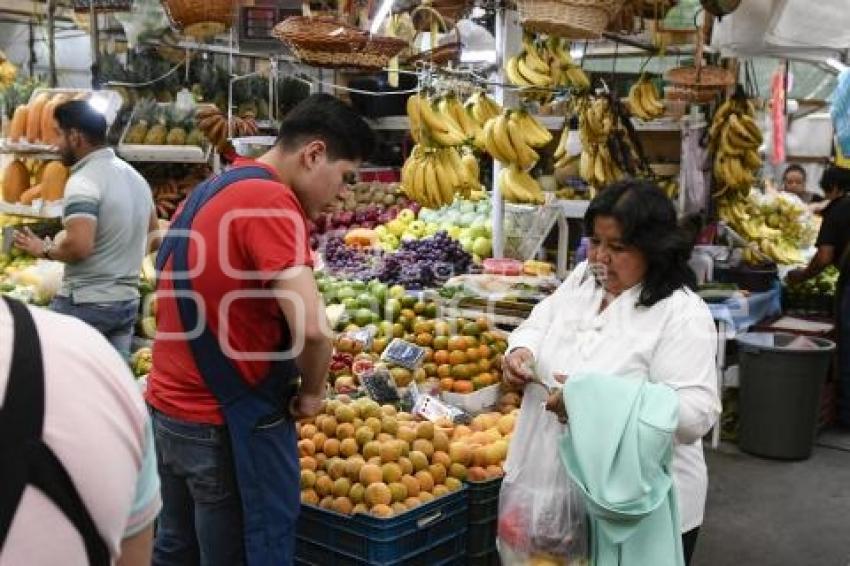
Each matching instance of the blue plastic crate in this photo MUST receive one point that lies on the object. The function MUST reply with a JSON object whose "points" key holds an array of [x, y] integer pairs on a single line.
{"points": [[483, 522], [429, 535]]}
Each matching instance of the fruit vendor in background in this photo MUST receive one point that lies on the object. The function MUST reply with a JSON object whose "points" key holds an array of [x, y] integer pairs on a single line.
{"points": [[630, 309], [107, 218], [794, 182], [833, 249], [80, 484], [239, 319]]}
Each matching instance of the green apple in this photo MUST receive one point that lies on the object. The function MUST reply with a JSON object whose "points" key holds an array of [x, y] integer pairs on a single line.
{"points": [[406, 216], [482, 247], [390, 241], [431, 229], [454, 232], [345, 293], [396, 227], [480, 229], [397, 292], [417, 228], [381, 230], [466, 244]]}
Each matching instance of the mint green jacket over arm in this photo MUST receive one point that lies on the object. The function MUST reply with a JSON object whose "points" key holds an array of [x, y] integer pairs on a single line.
{"points": [[618, 450]]}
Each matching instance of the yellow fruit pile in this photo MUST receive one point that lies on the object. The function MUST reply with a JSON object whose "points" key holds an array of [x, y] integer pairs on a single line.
{"points": [[359, 457], [512, 138]]}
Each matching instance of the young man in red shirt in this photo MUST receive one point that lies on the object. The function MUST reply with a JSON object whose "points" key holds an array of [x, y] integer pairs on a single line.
{"points": [[239, 320]]}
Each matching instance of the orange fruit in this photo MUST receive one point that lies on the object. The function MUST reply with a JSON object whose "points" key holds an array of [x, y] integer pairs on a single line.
{"points": [[429, 354], [442, 328], [472, 355], [457, 357], [478, 381], [463, 386], [446, 384], [484, 352], [441, 342], [460, 372], [484, 365], [441, 356], [444, 370], [457, 343], [430, 369], [424, 339]]}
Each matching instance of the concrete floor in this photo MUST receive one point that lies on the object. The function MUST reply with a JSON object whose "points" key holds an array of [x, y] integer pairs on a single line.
{"points": [[771, 513]]}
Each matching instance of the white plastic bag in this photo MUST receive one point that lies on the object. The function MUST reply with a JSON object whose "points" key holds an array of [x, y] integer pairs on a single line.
{"points": [[541, 515]]}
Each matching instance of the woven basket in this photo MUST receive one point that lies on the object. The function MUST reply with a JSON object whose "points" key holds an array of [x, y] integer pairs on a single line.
{"points": [[323, 42], [201, 18], [571, 19], [450, 10], [439, 56], [703, 84]]}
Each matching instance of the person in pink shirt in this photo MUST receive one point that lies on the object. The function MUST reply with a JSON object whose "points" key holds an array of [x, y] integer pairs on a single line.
{"points": [[78, 480]]}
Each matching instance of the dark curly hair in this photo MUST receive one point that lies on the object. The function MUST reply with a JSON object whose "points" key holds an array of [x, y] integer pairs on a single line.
{"points": [[648, 222]]}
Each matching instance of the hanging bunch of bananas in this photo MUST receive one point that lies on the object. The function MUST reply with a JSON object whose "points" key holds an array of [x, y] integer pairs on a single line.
{"points": [[644, 100], [512, 137], [437, 169], [745, 216], [597, 125], [443, 122], [545, 64], [734, 139], [482, 108], [433, 176]]}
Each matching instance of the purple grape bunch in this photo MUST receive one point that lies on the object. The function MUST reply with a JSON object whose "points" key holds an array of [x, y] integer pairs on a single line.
{"points": [[429, 262]]}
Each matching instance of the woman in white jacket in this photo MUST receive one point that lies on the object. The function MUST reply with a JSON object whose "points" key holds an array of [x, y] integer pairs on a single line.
{"points": [[630, 310]]}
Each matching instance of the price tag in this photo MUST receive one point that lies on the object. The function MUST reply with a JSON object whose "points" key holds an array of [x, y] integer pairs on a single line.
{"points": [[403, 353]]}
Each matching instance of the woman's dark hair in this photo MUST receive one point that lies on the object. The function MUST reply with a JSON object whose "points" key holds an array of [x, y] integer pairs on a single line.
{"points": [[794, 167], [79, 115], [835, 177], [648, 222], [325, 117]]}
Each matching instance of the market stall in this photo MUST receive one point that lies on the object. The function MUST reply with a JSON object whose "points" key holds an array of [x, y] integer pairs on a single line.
{"points": [[469, 215]]}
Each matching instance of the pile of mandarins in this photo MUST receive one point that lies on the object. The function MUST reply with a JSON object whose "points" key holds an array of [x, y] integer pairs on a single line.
{"points": [[361, 457]]}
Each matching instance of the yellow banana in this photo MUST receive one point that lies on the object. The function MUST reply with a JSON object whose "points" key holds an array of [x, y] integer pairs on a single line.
{"points": [[501, 139], [527, 188], [561, 149], [473, 171], [534, 61], [752, 160], [526, 156], [535, 133], [578, 78], [532, 76], [512, 72]]}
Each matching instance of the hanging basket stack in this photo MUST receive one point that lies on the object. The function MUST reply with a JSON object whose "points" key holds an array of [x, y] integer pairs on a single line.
{"points": [[571, 19], [324, 42], [201, 18]]}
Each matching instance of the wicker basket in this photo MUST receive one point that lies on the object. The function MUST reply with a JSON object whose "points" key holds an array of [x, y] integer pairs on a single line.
{"points": [[439, 56], [201, 18], [703, 83], [323, 42], [571, 19], [450, 10]]}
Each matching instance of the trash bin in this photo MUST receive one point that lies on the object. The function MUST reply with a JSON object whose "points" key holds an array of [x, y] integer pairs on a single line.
{"points": [[780, 391]]}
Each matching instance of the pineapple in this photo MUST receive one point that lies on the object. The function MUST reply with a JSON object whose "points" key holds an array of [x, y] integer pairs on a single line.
{"points": [[158, 133], [145, 115], [177, 133], [196, 137]]}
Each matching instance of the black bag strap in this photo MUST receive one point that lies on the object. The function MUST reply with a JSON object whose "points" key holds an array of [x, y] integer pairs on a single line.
{"points": [[24, 457]]}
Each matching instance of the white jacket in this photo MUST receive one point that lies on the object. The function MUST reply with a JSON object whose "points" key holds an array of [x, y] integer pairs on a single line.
{"points": [[674, 342]]}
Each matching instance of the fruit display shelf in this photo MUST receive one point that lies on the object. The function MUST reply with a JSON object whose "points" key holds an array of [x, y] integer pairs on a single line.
{"points": [[29, 150], [160, 114]]}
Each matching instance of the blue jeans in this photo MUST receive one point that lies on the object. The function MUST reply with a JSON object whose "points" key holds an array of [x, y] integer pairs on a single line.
{"points": [[115, 320], [201, 518]]}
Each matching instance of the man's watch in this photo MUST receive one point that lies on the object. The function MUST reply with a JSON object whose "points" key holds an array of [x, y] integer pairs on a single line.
{"points": [[48, 247]]}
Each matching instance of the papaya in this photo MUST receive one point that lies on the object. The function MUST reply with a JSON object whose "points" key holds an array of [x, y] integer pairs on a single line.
{"points": [[48, 129], [31, 194], [53, 181], [16, 180], [18, 127], [34, 117], [361, 237]]}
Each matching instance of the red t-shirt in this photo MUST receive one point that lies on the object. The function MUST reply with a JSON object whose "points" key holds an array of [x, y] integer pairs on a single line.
{"points": [[251, 231]]}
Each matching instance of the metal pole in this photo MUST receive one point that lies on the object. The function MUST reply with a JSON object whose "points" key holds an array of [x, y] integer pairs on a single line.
{"points": [[32, 60], [51, 42], [95, 47]]}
